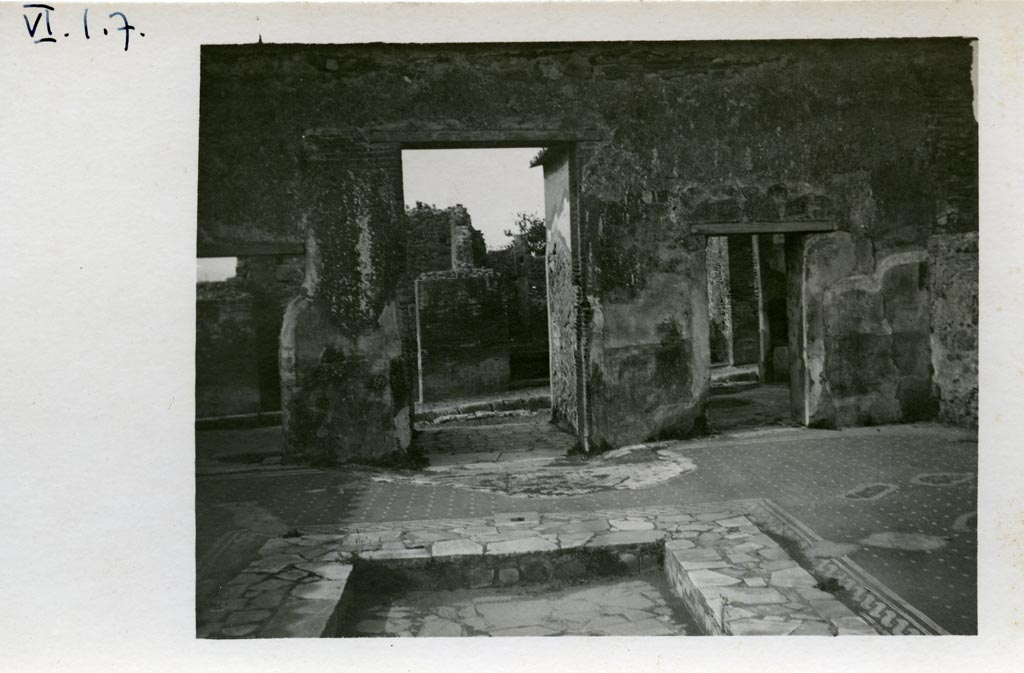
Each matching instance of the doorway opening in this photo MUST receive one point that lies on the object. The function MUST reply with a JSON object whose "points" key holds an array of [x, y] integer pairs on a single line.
{"points": [[748, 332], [476, 257]]}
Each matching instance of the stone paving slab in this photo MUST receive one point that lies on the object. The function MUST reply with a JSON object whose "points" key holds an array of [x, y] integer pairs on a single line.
{"points": [[632, 606], [296, 586]]}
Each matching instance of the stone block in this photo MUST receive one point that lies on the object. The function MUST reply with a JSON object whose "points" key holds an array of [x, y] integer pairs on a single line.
{"points": [[457, 547], [324, 590], [570, 568], [521, 546], [630, 524], [750, 595], [761, 627], [628, 560], [813, 629], [480, 577], [395, 554], [626, 537], [572, 540], [268, 600], [275, 563], [734, 522], [507, 576], [239, 631], [709, 578], [701, 554], [329, 571], [852, 626], [537, 571], [299, 618], [590, 526], [439, 628], [830, 608], [679, 544], [792, 577]]}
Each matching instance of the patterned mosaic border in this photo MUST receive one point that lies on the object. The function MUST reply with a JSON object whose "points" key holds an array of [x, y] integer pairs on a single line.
{"points": [[886, 610]]}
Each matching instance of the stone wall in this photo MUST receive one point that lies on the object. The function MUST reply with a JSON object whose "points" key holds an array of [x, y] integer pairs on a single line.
{"points": [[272, 280], [429, 245], [524, 287], [252, 302], [463, 244], [867, 321], [743, 298], [346, 378], [433, 244], [876, 137], [227, 376], [719, 307], [953, 284], [562, 294], [773, 292], [463, 334]]}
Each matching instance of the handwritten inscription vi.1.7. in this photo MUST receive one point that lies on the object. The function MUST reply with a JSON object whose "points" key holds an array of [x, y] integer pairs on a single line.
{"points": [[40, 22]]}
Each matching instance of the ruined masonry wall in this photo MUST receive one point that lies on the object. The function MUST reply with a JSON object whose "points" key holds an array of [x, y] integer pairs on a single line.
{"points": [[953, 283], [227, 378], [238, 323], [562, 296], [868, 349], [463, 334], [719, 308], [874, 136], [743, 298], [429, 245]]}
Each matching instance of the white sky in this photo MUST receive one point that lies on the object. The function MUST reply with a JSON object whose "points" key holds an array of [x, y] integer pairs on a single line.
{"points": [[493, 185], [215, 268]]}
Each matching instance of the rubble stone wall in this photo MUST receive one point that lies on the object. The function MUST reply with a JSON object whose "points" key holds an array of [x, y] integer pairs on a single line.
{"points": [[254, 302], [874, 136], [953, 284], [463, 334], [227, 378], [719, 308], [744, 301]]}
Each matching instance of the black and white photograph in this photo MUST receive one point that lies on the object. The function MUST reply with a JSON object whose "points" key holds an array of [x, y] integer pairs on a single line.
{"points": [[429, 336], [587, 339]]}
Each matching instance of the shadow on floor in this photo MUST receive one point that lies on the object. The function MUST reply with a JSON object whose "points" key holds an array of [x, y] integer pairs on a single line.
{"points": [[753, 406]]}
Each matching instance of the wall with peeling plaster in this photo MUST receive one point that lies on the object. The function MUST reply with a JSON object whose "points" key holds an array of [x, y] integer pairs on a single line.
{"points": [[562, 294], [875, 136], [953, 284]]}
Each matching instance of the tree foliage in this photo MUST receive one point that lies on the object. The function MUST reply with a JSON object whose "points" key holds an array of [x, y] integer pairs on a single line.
{"points": [[530, 226]]}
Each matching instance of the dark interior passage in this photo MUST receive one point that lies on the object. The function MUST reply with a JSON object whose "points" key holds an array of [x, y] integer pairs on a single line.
{"points": [[748, 331]]}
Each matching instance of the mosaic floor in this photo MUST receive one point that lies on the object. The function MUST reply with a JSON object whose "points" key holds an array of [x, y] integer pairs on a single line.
{"points": [[868, 488]]}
